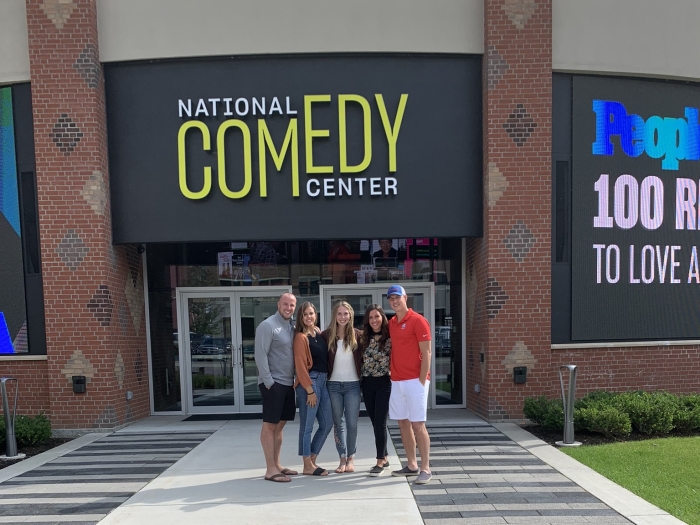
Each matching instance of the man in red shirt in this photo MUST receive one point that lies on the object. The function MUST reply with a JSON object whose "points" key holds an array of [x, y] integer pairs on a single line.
{"points": [[410, 379]]}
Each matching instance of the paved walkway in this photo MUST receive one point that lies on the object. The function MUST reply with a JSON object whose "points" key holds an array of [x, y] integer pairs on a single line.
{"points": [[165, 471]]}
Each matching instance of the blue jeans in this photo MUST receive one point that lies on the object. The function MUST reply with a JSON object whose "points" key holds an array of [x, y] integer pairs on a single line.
{"points": [[345, 404], [307, 414]]}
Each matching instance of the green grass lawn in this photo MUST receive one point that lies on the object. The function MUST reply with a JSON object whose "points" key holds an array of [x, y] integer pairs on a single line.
{"points": [[665, 472]]}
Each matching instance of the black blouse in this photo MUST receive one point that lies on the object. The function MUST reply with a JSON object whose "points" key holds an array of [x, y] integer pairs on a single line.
{"points": [[319, 353]]}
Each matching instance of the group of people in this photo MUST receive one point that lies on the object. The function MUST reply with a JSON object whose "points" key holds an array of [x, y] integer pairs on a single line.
{"points": [[387, 360]]}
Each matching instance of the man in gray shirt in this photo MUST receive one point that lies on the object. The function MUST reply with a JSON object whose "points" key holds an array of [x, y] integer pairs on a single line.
{"points": [[274, 358]]}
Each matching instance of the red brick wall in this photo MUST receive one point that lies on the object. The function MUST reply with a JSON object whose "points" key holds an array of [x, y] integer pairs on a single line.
{"points": [[32, 381], [93, 291], [675, 369], [508, 270]]}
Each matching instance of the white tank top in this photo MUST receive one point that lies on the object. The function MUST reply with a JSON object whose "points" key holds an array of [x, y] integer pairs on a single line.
{"points": [[344, 365]]}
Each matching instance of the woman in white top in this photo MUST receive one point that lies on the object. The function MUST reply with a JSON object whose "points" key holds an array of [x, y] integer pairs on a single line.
{"points": [[344, 370]]}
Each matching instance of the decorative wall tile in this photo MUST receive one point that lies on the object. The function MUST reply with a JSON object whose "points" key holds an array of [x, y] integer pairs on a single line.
{"points": [[519, 11], [72, 250], [138, 366], [123, 317], [78, 365], [58, 11], [107, 419], [66, 134], [101, 305], [134, 298], [519, 125], [519, 356], [497, 184], [519, 240], [495, 297], [95, 193], [496, 67], [88, 65], [119, 369]]}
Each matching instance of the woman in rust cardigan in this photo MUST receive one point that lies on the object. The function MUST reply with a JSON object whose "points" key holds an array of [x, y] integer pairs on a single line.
{"points": [[311, 365]]}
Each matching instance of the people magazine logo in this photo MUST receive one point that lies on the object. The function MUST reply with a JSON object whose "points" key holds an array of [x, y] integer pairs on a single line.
{"points": [[668, 138]]}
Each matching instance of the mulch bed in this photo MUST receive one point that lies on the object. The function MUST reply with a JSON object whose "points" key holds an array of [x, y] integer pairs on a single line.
{"points": [[32, 450], [591, 438]]}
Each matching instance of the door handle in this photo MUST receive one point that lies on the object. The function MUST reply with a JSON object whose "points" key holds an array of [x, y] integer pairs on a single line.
{"points": [[240, 350], [234, 355]]}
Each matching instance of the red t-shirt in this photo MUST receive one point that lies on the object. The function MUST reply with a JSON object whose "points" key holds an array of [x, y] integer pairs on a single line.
{"points": [[405, 352]]}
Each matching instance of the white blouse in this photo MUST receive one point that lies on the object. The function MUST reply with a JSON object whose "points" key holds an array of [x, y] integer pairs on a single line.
{"points": [[344, 365]]}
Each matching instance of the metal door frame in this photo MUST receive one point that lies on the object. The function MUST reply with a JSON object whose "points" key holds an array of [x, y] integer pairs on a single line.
{"points": [[181, 296]]}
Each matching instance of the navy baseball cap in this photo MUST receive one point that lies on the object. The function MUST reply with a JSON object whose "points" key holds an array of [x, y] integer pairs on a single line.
{"points": [[395, 290]]}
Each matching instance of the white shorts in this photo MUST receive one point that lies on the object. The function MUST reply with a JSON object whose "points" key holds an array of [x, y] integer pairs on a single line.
{"points": [[409, 400]]}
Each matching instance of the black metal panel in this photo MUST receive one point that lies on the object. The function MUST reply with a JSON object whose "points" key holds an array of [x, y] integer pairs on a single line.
{"points": [[438, 173]]}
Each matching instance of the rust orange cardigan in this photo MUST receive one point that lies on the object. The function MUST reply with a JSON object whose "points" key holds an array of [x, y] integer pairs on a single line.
{"points": [[302, 360]]}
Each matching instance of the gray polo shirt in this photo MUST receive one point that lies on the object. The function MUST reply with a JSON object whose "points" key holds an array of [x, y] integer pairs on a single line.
{"points": [[273, 351]]}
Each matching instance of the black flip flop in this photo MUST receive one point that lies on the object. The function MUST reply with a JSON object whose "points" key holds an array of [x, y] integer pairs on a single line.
{"points": [[276, 478], [318, 472]]}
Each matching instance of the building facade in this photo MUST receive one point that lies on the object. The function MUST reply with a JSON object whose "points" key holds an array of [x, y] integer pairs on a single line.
{"points": [[524, 168]]}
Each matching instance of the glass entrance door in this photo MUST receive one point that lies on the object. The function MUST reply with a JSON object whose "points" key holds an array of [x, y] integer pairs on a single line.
{"points": [[419, 297], [218, 339]]}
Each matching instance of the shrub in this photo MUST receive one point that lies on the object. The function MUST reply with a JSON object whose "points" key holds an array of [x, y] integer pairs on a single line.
{"points": [[650, 412], [595, 399], [687, 415], [28, 430], [606, 420], [549, 413]]}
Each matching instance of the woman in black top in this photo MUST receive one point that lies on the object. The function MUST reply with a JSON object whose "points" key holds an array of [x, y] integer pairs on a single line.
{"points": [[376, 378], [311, 366]]}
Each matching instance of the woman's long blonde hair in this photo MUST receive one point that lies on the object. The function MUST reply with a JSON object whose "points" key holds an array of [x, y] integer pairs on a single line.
{"points": [[350, 339]]}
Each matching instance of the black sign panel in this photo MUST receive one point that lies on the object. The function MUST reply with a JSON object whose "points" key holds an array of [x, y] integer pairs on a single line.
{"points": [[295, 148], [636, 171]]}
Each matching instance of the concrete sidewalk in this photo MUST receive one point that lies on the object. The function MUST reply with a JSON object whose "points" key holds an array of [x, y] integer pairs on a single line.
{"points": [[482, 474], [221, 481]]}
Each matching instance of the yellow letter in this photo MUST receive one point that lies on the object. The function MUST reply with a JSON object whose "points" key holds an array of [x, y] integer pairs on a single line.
{"points": [[310, 133], [206, 140], [367, 120], [234, 123], [264, 139], [392, 132]]}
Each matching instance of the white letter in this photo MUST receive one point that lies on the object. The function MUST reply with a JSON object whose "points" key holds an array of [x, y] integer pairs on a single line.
{"points": [[686, 216], [308, 188], [290, 111], [342, 185], [650, 277], [258, 107], [201, 108], [187, 109], [599, 257], [238, 109], [275, 106], [694, 266], [328, 187], [674, 249], [632, 279], [213, 105], [360, 182], [375, 186], [227, 101], [661, 265], [645, 205], [626, 192], [616, 249], [390, 184]]}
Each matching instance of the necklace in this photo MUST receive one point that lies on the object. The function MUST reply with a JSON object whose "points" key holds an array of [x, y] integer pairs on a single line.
{"points": [[313, 336]]}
